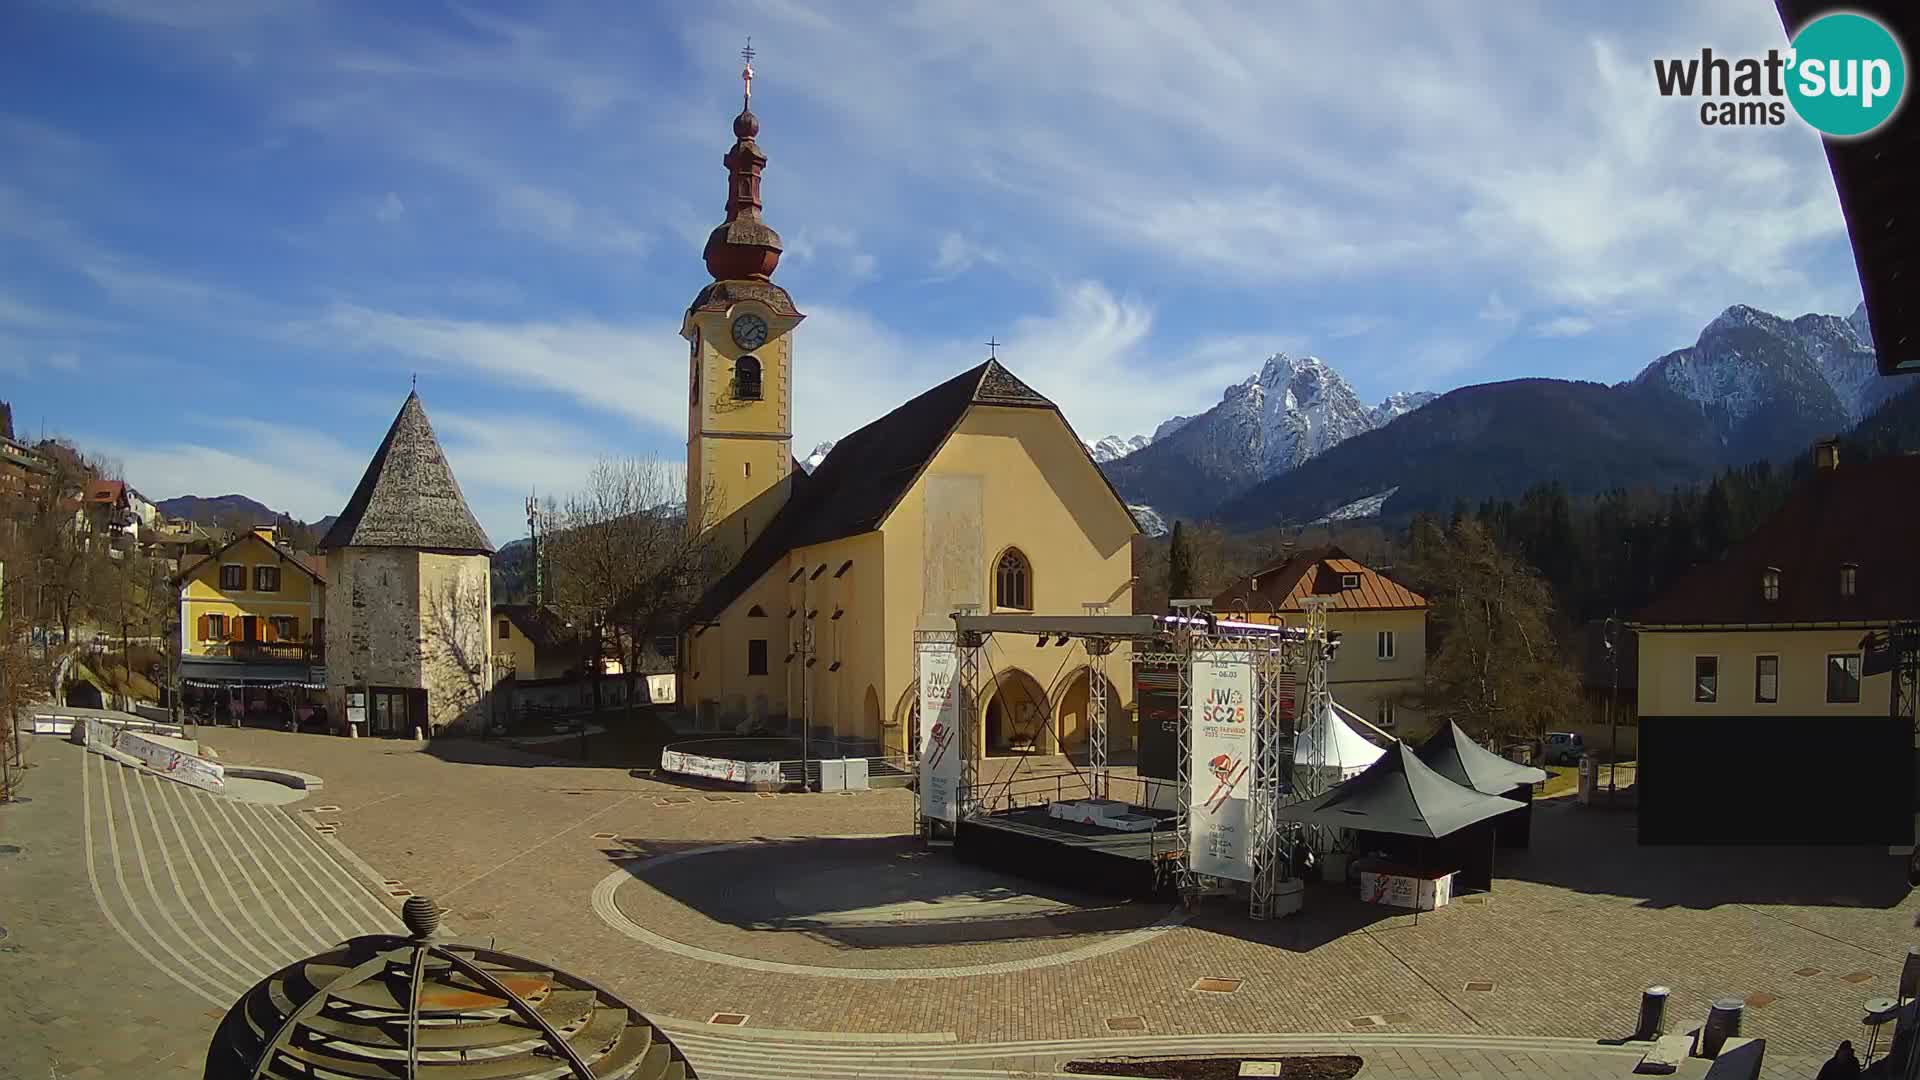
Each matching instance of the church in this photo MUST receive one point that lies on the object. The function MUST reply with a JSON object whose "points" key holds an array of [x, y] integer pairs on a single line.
{"points": [[975, 493]]}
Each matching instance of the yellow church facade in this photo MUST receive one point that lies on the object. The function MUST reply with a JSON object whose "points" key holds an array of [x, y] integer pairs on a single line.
{"points": [[976, 493]]}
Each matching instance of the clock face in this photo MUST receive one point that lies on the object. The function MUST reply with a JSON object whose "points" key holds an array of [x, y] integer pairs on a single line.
{"points": [[749, 331]]}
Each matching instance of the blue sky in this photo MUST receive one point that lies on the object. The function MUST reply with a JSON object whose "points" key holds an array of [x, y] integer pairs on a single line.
{"points": [[231, 231]]}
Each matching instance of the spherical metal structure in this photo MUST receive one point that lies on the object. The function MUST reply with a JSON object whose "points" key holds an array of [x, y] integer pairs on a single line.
{"points": [[430, 1007]]}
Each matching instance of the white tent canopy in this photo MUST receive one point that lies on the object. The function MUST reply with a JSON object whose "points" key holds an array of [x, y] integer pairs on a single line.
{"points": [[1331, 743]]}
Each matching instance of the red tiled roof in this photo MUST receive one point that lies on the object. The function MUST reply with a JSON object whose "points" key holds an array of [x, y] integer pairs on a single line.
{"points": [[1318, 572], [106, 491], [1861, 513]]}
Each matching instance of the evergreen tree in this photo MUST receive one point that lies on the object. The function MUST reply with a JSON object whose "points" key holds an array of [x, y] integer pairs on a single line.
{"points": [[1179, 564]]}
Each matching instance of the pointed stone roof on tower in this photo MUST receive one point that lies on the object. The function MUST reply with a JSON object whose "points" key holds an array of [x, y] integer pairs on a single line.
{"points": [[408, 497]]}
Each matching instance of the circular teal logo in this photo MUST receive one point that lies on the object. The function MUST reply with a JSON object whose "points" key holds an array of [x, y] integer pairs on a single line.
{"points": [[1847, 74]]}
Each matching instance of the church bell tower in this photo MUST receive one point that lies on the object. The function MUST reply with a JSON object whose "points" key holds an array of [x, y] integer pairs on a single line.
{"points": [[739, 332]]}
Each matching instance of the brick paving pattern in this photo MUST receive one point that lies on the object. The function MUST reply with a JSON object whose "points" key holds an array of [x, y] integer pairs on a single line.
{"points": [[1575, 928]]}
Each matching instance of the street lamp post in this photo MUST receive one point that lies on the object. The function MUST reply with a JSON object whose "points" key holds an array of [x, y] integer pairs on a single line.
{"points": [[1613, 703]]}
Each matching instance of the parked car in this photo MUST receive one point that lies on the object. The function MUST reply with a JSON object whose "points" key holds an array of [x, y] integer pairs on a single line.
{"points": [[1563, 748]]}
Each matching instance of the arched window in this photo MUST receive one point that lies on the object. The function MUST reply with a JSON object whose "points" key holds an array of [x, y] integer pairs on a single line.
{"points": [[1770, 583], [746, 379], [1013, 581]]}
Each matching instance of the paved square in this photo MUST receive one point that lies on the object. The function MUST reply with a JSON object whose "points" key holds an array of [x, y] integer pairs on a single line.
{"points": [[756, 908]]}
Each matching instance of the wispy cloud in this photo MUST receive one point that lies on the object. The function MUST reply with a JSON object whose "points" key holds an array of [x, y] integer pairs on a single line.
{"points": [[1564, 326]]}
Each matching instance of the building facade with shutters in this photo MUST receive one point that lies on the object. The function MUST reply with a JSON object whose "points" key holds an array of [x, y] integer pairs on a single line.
{"points": [[1761, 719], [1381, 665], [252, 613]]}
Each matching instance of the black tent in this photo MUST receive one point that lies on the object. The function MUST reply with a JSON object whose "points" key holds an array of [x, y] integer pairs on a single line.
{"points": [[1415, 815], [1453, 755]]}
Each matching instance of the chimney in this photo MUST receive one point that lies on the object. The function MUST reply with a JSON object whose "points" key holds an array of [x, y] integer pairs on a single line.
{"points": [[1826, 455]]}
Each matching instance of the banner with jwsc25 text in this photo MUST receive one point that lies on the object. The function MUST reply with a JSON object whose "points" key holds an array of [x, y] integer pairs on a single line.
{"points": [[1221, 765], [940, 764]]}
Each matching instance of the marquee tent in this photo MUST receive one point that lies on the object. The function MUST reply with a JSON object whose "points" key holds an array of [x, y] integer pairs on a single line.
{"points": [[1400, 805], [1452, 754], [1334, 746]]}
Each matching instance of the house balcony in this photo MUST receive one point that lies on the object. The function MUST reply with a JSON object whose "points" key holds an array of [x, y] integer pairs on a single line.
{"points": [[254, 652]]}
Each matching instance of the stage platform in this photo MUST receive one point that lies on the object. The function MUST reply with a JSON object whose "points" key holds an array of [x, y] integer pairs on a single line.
{"points": [[1030, 843]]}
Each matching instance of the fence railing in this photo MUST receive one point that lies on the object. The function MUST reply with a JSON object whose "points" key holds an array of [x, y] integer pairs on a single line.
{"points": [[1043, 789]]}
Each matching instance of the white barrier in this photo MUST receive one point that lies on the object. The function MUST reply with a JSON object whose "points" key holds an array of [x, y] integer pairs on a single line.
{"points": [[711, 768], [181, 766]]}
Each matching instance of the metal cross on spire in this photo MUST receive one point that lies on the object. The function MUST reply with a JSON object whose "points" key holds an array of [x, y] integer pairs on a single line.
{"points": [[993, 349], [746, 73]]}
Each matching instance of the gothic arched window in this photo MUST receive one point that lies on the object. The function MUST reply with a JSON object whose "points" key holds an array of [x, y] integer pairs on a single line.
{"points": [[746, 379], [1013, 581]]}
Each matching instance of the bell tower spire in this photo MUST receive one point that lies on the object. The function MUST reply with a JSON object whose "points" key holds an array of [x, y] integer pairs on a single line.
{"points": [[740, 335], [744, 247]]}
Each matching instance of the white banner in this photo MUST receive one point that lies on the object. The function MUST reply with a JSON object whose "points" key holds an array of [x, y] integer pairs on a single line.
{"points": [[157, 756], [940, 764], [1221, 767], [712, 768]]}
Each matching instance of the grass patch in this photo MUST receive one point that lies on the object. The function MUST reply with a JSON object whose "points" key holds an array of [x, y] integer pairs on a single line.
{"points": [[1560, 780]]}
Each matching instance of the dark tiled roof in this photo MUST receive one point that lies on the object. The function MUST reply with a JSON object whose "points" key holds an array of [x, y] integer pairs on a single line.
{"points": [[1861, 513], [408, 497], [1318, 572], [542, 625], [1874, 179], [861, 481]]}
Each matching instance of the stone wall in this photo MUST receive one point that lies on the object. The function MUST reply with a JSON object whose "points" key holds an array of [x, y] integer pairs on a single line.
{"points": [[455, 602], [374, 629]]}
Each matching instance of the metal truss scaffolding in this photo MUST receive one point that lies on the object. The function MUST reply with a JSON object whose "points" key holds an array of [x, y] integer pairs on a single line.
{"points": [[1273, 653]]}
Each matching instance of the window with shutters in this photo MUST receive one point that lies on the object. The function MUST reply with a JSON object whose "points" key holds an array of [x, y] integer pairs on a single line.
{"points": [[233, 578], [216, 628], [266, 579]]}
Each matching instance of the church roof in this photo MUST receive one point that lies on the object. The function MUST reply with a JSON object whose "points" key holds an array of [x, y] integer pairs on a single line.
{"points": [[408, 497], [858, 485]]}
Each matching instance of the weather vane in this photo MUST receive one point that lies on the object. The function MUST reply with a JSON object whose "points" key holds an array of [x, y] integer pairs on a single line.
{"points": [[746, 73], [993, 349]]}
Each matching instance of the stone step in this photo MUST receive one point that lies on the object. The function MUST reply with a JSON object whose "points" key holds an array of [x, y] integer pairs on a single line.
{"points": [[1667, 1055]]}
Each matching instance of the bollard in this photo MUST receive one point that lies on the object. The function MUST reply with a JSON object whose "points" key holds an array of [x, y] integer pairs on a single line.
{"points": [[1723, 1023], [1910, 974], [1653, 1013]]}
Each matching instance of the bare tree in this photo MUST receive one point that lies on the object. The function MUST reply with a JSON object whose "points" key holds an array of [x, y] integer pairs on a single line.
{"points": [[627, 565], [1495, 667], [455, 650]]}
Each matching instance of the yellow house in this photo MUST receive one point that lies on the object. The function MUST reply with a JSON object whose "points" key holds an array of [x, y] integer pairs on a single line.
{"points": [[1756, 676], [976, 492], [532, 642], [253, 611], [1381, 664]]}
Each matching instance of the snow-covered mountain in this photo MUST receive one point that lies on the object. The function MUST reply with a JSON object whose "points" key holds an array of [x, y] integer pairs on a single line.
{"points": [[1150, 522], [1291, 410], [1757, 377], [1113, 447], [812, 461]]}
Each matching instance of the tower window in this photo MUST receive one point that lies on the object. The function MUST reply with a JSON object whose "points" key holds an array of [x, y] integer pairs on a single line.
{"points": [[1013, 581], [746, 379], [1849, 579], [1770, 584]]}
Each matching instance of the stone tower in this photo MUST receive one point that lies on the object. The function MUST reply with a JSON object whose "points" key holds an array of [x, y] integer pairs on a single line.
{"points": [[739, 331], [409, 595]]}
